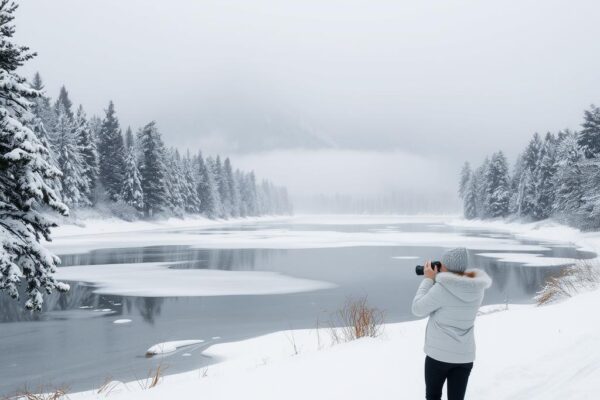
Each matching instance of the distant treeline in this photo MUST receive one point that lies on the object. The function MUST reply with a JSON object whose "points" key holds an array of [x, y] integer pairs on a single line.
{"points": [[555, 176], [136, 174]]}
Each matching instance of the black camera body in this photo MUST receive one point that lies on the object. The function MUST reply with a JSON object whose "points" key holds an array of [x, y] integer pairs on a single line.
{"points": [[420, 269]]}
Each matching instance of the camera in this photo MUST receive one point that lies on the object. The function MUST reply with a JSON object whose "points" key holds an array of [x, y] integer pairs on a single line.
{"points": [[420, 269]]}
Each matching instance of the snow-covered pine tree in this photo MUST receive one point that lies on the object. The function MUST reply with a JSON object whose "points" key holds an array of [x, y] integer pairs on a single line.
{"points": [[63, 99], [590, 169], [497, 196], [206, 189], [465, 175], [73, 181], [189, 184], [568, 179], [223, 186], [527, 188], [111, 152], [44, 121], [129, 141], [589, 136], [41, 107], [543, 178], [214, 171], [482, 189], [151, 168], [132, 193], [24, 176], [470, 198], [173, 182], [249, 194], [233, 190], [86, 144]]}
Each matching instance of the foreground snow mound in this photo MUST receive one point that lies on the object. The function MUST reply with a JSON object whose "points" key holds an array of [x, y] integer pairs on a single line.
{"points": [[169, 347], [524, 353]]}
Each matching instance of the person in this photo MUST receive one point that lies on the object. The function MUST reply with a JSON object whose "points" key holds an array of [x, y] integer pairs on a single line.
{"points": [[451, 299]]}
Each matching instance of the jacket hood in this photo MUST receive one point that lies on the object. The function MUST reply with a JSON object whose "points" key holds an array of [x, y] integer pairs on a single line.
{"points": [[463, 287]]}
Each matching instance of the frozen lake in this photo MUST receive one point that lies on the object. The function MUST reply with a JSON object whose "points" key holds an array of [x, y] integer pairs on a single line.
{"points": [[240, 281]]}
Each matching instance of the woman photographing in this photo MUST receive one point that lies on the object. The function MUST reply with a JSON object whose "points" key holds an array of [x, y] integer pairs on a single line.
{"points": [[451, 297]]}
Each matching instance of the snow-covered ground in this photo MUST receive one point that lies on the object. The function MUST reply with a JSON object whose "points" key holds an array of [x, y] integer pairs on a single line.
{"points": [[524, 352]]}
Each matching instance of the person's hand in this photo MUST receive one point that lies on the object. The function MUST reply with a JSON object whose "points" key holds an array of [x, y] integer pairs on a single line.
{"points": [[429, 272]]}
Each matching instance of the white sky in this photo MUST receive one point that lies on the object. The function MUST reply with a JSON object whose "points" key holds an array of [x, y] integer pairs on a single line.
{"points": [[437, 81]]}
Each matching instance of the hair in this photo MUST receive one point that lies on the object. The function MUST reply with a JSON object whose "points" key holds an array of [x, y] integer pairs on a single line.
{"points": [[468, 274]]}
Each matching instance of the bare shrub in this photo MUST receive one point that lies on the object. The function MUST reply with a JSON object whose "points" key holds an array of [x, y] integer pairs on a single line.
{"points": [[356, 320], [571, 280]]}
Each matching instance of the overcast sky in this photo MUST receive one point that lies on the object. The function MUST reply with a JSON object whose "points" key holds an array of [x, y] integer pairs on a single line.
{"points": [[412, 81]]}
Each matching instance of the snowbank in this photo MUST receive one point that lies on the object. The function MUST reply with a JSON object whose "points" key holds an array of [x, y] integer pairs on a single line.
{"points": [[524, 353], [158, 280]]}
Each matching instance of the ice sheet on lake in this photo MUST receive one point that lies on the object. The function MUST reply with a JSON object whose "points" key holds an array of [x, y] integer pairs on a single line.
{"points": [[529, 259], [158, 280]]}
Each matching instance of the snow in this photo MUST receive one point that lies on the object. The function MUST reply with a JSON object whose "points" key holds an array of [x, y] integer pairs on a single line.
{"points": [[169, 347], [121, 321], [530, 260], [107, 234], [524, 352], [158, 280]]}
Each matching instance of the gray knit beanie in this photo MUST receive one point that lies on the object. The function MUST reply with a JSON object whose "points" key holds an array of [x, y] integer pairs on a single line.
{"points": [[455, 260]]}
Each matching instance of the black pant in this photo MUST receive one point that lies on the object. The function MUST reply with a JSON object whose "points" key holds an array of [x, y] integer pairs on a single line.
{"points": [[437, 372]]}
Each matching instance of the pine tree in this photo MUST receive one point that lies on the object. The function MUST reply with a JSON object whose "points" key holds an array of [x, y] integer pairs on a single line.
{"points": [[223, 188], [151, 168], [132, 188], [497, 186], [63, 99], [73, 181], [589, 137], [233, 191], [129, 141], [111, 152], [207, 189], [189, 185], [470, 198], [43, 122], [543, 179], [482, 189], [173, 182], [568, 179], [24, 177], [465, 175], [86, 144], [527, 188]]}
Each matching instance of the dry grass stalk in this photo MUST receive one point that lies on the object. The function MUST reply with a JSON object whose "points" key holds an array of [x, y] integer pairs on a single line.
{"points": [[356, 320], [571, 280], [154, 377], [52, 394], [109, 386]]}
